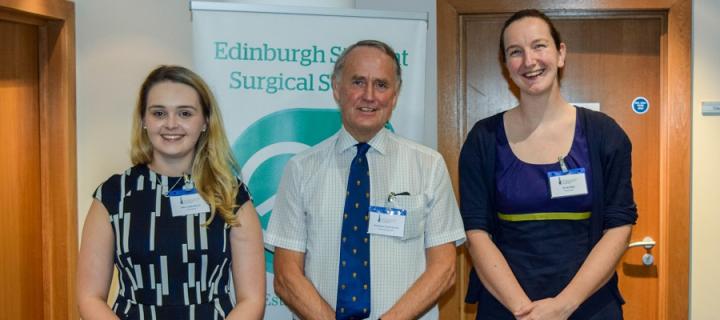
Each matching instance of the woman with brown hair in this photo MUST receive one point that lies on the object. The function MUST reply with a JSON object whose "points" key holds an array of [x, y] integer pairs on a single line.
{"points": [[546, 195]]}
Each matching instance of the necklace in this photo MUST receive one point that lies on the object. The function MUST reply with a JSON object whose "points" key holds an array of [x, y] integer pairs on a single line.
{"points": [[187, 186]]}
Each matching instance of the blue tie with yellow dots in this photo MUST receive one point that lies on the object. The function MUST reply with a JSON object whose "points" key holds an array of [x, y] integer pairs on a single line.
{"points": [[353, 298]]}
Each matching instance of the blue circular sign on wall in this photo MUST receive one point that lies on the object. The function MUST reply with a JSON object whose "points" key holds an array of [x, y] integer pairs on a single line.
{"points": [[640, 105]]}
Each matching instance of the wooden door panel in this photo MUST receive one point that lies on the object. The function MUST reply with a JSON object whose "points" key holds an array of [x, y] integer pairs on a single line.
{"points": [[616, 61], [611, 60], [21, 265], [38, 212]]}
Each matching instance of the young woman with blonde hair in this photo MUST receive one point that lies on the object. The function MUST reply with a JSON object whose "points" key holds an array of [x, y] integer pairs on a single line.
{"points": [[179, 225]]}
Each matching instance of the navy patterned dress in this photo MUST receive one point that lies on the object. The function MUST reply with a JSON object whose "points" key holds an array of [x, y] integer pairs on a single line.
{"points": [[169, 267]]}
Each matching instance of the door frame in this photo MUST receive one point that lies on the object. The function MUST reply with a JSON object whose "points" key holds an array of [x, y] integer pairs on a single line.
{"points": [[673, 273], [55, 20]]}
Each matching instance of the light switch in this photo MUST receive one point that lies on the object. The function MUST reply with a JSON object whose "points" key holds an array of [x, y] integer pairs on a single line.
{"points": [[711, 108]]}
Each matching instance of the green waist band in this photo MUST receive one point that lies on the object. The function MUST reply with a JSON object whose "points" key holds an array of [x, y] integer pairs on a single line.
{"points": [[540, 216]]}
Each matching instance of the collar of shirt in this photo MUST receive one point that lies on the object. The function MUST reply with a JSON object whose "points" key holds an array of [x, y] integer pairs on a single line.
{"points": [[346, 141]]}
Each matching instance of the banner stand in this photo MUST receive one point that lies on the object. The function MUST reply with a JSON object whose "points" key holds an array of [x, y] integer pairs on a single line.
{"points": [[270, 68]]}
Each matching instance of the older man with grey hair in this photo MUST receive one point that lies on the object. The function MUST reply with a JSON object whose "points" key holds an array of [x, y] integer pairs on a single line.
{"points": [[365, 223]]}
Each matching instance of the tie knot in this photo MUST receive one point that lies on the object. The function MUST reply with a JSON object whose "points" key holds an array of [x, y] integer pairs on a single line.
{"points": [[362, 149]]}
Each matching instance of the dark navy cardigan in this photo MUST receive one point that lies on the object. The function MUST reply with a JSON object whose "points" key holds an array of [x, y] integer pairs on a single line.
{"points": [[610, 158]]}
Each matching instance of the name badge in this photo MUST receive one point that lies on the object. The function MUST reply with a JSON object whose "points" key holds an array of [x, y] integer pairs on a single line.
{"points": [[567, 184], [184, 203], [387, 221]]}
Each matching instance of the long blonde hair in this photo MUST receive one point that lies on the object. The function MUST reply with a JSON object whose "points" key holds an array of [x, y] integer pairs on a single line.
{"points": [[213, 167]]}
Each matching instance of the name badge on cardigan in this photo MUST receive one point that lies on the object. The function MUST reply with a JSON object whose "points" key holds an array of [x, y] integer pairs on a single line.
{"points": [[184, 203], [387, 221], [567, 184]]}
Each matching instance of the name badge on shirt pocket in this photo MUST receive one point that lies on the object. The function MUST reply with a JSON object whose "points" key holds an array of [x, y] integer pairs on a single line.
{"points": [[387, 221], [567, 184], [184, 203]]}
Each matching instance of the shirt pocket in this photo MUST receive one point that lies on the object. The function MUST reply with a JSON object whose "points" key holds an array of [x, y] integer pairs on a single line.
{"points": [[416, 215]]}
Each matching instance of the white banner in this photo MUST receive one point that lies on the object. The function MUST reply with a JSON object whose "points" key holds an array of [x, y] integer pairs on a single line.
{"points": [[270, 68]]}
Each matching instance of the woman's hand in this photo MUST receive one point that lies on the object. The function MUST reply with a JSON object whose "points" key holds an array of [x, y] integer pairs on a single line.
{"points": [[550, 309]]}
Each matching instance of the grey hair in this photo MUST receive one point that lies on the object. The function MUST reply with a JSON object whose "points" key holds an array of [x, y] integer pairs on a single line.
{"points": [[382, 46]]}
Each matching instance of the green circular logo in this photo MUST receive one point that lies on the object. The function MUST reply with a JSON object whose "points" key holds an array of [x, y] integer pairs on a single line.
{"points": [[264, 148]]}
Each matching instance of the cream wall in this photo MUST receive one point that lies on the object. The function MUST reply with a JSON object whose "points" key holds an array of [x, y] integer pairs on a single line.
{"points": [[705, 261]]}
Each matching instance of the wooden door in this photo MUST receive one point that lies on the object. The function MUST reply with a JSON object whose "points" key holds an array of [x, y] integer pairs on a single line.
{"points": [[38, 214], [616, 53], [20, 235], [610, 62]]}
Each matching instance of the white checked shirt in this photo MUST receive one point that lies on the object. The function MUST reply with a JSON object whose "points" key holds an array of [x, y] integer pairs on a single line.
{"points": [[308, 211]]}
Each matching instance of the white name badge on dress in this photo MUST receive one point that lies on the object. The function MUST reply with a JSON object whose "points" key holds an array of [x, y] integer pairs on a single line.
{"points": [[387, 221], [184, 203], [567, 184]]}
